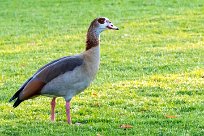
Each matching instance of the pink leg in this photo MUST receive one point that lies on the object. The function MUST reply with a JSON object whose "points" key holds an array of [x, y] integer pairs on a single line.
{"points": [[68, 112], [53, 109]]}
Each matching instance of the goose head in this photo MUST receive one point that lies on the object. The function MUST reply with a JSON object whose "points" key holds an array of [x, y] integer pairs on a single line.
{"points": [[104, 24]]}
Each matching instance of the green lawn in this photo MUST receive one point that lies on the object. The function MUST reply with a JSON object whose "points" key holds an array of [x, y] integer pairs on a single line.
{"points": [[151, 74]]}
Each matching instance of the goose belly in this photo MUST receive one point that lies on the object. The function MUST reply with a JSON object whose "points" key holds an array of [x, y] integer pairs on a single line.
{"points": [[68, 84]]}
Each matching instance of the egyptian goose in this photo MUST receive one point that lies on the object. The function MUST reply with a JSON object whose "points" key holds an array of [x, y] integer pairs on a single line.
{"points": [[67, 76]]}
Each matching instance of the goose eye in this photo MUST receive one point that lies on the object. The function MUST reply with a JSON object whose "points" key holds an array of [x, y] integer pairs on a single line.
{"points": [[101, 20]]}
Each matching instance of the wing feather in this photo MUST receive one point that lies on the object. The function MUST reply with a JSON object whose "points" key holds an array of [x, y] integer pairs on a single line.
{"points": [[45, 74]]}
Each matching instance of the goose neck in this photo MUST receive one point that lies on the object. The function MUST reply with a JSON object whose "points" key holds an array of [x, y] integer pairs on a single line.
{"points": [[93, 38]]}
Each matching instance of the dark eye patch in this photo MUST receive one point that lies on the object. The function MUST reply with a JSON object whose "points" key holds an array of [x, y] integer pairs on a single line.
{"points": [[101, 20]]}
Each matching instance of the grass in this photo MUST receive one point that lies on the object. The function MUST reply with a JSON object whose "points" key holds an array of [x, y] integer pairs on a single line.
{"points": [[151, 74]]}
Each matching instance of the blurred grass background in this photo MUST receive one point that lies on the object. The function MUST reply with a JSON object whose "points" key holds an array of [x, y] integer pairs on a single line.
{"points": [[151, 75]]}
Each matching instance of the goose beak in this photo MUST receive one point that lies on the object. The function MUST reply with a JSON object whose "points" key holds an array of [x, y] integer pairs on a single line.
{"points": [[112, 27]]}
